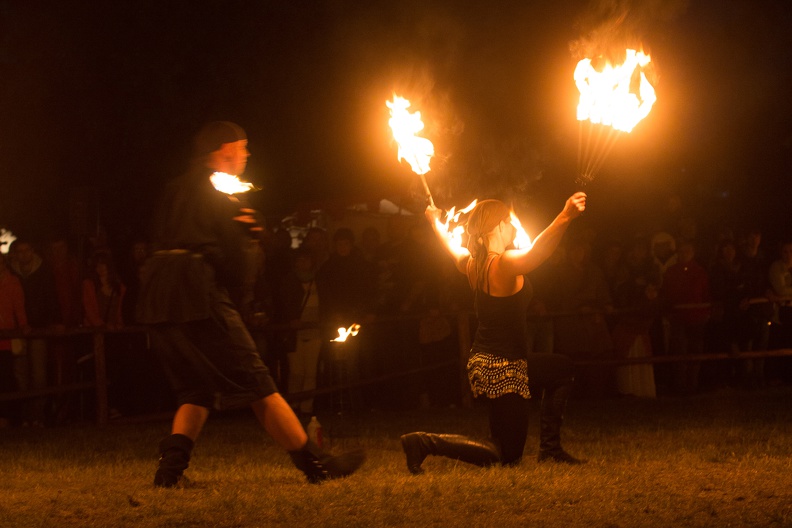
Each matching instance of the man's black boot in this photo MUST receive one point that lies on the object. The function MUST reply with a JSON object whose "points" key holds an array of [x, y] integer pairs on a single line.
{"points": [[319, 466], [175, 453]]}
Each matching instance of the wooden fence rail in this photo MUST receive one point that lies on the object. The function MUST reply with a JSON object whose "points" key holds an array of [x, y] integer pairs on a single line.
{"points": [[464, 339]]}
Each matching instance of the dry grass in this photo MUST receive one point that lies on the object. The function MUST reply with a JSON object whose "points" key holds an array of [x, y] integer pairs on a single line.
{"points": [[721, 459]]}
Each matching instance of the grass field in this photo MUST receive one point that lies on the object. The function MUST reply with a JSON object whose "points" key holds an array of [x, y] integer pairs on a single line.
{"points": [[719, 459]]}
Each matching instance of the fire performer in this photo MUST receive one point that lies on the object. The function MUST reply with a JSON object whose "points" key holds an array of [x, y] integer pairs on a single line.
{"points": [[201, 239], [497, 367]]}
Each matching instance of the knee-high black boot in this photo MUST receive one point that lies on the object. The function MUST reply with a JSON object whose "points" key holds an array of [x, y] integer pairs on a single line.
{"points": [[175, 453], [551, 417], [417, 446], [319, 465]]}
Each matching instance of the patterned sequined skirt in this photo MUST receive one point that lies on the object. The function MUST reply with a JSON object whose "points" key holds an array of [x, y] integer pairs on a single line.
{"points": [[493, 376]]}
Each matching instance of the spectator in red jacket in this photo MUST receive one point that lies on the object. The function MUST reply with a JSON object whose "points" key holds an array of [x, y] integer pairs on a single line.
{"points": [[12, 316]]}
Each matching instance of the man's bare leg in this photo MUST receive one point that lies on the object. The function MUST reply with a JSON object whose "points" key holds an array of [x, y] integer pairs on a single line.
{"points": [[279, 420], [282, 424], [189, 420]]}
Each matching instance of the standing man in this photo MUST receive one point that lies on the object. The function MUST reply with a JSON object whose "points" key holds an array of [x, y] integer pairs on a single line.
{"points": [[201, 242], [41, 306]]}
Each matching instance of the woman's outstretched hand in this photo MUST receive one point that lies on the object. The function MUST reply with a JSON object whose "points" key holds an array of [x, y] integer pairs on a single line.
{"points": [[575, 205]]}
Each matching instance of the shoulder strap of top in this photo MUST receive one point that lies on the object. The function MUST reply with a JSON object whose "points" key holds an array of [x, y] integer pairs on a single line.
{"points": [[473, 279], [490, 259]]}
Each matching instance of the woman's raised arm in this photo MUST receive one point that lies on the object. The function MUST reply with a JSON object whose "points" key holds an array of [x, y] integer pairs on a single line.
{"points": [[522, 261]]}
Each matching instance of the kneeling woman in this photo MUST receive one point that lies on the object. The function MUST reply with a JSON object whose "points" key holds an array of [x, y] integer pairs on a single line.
{"points": [[497, 368]]}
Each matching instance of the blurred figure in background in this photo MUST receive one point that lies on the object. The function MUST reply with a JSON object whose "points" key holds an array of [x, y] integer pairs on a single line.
{"points": [[103, 294], [581, 293], [686, 294], [636, 297], [41, 306], [345, 286], [301, 304], [759, 314], [780, 278], [12, 317]]}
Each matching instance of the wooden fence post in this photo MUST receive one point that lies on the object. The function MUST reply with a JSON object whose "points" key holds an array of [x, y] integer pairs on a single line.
{"points": [[100, 369]]}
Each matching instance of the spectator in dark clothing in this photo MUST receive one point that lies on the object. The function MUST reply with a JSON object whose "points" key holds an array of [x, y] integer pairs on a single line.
{"points": [[41, 306], [636, 298], [686, 294], [758, 312], [130, 277], [583, 295], [301, 303], [66, 272], [728, 323], [344, 283], [423, 338], [390, 279], [541, 327], [63, 352], [279, 260], [779, 275], [317, 243]]}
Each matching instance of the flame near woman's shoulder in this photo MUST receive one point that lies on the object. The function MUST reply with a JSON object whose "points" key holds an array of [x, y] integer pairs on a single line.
{"points": [[229, 184]]}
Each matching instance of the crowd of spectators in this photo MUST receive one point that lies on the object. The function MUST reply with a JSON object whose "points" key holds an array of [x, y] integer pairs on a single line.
{"points": [[665, 291]]}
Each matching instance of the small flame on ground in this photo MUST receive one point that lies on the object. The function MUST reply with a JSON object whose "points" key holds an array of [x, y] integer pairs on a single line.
{"points": [[343, 333], [609, 96], [229, 184], [416, 150]]}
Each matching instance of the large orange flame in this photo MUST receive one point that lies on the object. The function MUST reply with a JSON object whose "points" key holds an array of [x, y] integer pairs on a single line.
{"points": [[610, 97], [416, 150]]}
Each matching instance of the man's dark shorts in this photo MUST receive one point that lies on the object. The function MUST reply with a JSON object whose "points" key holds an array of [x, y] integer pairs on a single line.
{"points": [[212, 362]]}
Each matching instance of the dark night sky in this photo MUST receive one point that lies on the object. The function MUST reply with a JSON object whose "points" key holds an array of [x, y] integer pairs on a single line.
{"points": [[105, 97]]}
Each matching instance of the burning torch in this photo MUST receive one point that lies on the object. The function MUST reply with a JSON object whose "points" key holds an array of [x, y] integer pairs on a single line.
{"points": [[617, 97], [418, 151]]}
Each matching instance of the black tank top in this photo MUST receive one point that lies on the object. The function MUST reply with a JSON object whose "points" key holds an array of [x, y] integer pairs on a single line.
{"points": [[502, 325]]}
